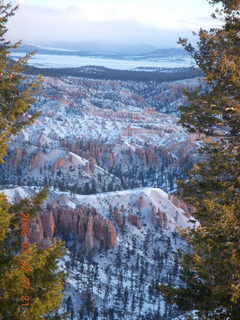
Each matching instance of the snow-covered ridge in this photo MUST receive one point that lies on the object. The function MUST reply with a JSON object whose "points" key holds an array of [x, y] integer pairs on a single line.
{"points": [[112, 127], [140, 202]]}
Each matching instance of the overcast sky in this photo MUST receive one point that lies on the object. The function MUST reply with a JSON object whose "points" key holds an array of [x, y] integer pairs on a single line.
{"points": [[156, 22]]}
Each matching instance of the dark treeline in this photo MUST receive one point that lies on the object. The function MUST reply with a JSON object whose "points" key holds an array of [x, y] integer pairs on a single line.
{"points": [[111, 74]]}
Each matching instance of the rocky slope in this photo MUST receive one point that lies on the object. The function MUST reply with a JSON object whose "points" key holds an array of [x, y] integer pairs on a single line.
{"points": [[96, 135], [93, 137], [119, 243]]}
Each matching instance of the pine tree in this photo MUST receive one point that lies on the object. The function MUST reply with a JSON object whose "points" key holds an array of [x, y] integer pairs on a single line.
{"points": [[216, 111], [210, 274], [31, 287], [16, 92]]}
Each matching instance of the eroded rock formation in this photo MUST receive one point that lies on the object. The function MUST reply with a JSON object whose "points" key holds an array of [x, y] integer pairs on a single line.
{"points": [[159, 218], [134, 220], [187, 208], [119, 219], [82, 225], [17, 157]]}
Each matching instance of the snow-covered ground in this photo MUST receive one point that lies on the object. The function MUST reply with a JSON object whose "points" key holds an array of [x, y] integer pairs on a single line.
{"points": [[116, 283], [95, 136], [101, 135], [66, 61]]}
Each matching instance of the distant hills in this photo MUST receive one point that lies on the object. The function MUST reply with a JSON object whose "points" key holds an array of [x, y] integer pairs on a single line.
{"points": [[115, 51]]}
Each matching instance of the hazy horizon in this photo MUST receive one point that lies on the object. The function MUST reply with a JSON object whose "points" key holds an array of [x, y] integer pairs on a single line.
{"points": [[149, 22]]}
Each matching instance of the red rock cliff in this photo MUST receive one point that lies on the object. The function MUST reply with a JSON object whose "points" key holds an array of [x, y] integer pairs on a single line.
{"points": [[82, 224]]}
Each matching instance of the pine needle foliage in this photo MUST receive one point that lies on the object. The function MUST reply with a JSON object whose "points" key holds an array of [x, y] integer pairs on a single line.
{"points": [[210, 273], [17, 94]]}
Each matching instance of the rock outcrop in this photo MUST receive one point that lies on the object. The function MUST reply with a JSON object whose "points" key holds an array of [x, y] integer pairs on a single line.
{"points": [[48, 224], [119, 219], [59, 163], [159, 218], [134, 220], [89, 238], [35, 160], [36, 234], [141, 202], [187, 208], [82, 225], [17, 157]]}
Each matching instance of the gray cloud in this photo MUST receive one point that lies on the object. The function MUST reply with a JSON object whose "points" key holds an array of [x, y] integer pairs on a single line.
{"points": [[35, 24]]}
